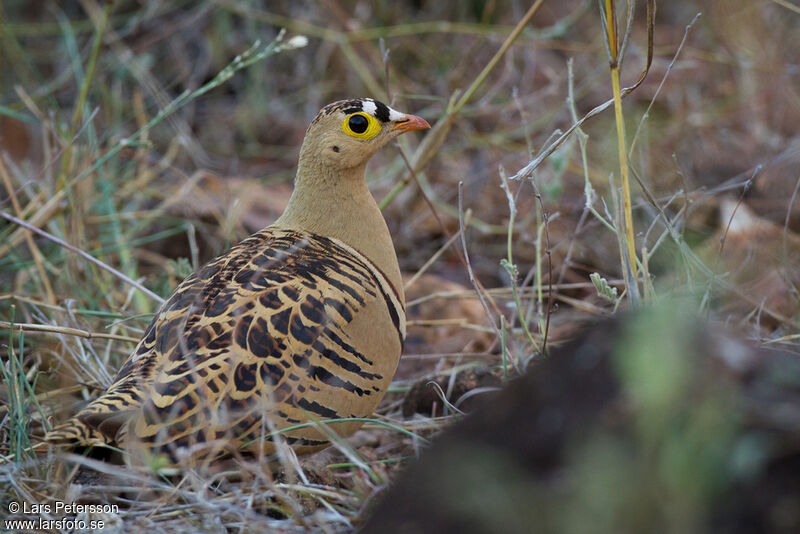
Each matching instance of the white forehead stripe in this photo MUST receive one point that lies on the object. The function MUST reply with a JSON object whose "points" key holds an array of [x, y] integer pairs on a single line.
{"points": [[369, 107], [395, 115]]}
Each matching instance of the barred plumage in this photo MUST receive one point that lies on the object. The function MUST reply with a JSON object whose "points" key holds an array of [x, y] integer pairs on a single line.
{"points": [[293, 324]]}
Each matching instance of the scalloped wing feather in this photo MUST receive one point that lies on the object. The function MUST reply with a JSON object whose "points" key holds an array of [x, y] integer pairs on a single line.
{"points": [[284, 328]]}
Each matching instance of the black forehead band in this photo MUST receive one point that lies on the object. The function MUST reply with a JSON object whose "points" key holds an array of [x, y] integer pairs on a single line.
{"points": [[381, 111], [347, 107]]}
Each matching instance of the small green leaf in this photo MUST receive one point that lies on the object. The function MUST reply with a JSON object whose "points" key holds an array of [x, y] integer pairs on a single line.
{"points": [[603, 289]]}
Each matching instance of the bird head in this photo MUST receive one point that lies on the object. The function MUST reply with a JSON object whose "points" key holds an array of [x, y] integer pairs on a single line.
{"points": [[345, 134]]}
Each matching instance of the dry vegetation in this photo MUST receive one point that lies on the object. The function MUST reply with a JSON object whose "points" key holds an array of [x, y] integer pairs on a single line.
{"points": [[131, 132]]}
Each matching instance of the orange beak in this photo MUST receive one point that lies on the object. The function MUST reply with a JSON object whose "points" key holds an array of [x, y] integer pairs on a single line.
{"points": [[411, 122]]}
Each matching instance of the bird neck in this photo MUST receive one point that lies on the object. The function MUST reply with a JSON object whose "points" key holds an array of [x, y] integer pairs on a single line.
{"points": [[337, 203]]}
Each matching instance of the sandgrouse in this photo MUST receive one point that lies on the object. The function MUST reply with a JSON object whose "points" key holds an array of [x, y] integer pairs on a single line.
{"points": [[302, 321]]}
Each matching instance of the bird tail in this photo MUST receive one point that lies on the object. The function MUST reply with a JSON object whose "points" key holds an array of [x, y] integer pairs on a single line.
{"points": [[76, 432]]}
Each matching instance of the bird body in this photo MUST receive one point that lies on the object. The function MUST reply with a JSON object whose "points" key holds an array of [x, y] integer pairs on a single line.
{"points": [[303, 321]]}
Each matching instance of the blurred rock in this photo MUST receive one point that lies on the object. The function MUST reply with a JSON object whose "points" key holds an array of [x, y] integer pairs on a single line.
{"points": [[654, 422]]}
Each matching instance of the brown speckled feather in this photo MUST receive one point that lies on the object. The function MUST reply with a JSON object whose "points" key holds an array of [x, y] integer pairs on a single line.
{"points": [[261, 329], [302, 322]]}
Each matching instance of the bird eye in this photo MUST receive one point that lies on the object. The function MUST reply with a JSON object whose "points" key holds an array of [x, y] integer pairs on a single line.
{"points": [[358, 123]]}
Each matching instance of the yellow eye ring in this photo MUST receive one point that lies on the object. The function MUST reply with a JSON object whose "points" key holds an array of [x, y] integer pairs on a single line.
{"points": [[354, 125]]}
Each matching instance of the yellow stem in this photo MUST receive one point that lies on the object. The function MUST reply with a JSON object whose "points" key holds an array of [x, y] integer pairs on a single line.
{"points": [[623, 170], [611, 33]]}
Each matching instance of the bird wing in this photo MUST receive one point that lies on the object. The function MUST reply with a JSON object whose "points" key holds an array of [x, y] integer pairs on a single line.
{"points": [[262, 328]]}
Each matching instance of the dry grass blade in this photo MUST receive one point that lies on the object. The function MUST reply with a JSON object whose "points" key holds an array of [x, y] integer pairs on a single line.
{"points": [[478, 287], [433, 140], [84, 255], [35, 252], [26, 327], [629, 256]]}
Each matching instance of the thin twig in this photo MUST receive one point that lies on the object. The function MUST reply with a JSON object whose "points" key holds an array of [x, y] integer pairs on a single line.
{"points": [[84, 255], [549, 274], [435, 213], [436, 136], [436, 255], [671, 65], [28, 327], [472, 279]]}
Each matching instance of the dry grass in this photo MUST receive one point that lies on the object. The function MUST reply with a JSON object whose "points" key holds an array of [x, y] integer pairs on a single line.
{"points": [[131, 133]]}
